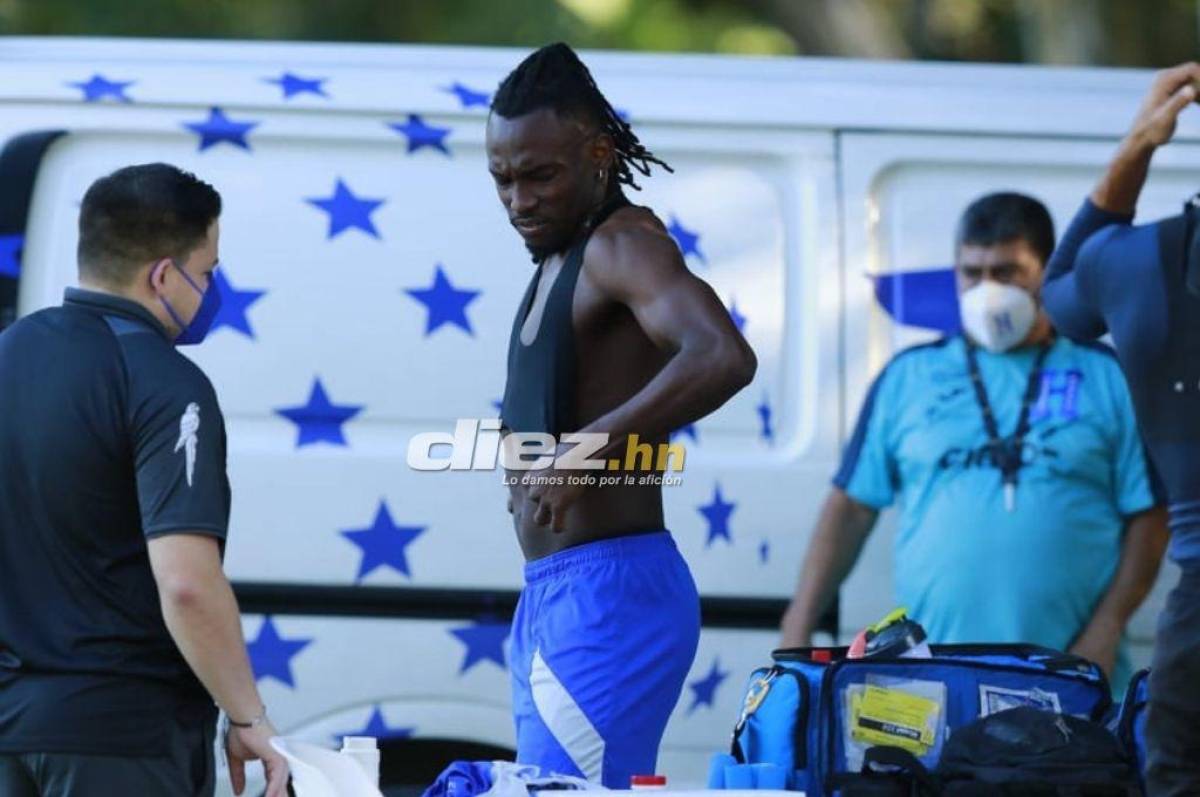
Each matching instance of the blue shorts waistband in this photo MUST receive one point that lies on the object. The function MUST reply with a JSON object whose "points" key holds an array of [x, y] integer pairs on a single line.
{"points": [[625, 547]]}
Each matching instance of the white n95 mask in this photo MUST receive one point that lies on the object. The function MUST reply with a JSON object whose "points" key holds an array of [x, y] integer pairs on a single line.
{"points": [[997, 316]]}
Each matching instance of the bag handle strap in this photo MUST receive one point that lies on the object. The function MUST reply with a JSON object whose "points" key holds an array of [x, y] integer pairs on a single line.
{"points": [[755, 695], [903, 760]]}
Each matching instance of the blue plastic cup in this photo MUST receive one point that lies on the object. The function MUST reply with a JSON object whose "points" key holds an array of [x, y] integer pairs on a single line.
{"points": [[769, 776], [739, 776], [716, 769]]}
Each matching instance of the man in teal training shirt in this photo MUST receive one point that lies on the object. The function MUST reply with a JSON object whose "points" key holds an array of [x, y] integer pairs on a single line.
{"points": [[1027, 513]]}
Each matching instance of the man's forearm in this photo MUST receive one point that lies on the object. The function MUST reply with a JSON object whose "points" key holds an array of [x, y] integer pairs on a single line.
{"points": [[842, 529], [1145, 542], [691, 385], [206, 626], [826, 565], [1121, 185]]}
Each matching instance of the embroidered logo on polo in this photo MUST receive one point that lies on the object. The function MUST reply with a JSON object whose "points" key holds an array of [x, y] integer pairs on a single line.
{"points": [[189, 427], [1059, 398]]}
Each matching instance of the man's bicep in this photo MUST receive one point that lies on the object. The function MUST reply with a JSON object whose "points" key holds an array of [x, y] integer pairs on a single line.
{"points": [[1078, 270], [646, 273], [179, 442]]}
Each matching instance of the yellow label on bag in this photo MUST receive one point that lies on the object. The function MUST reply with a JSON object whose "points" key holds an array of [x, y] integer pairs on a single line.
{"points": [[894, 717]]}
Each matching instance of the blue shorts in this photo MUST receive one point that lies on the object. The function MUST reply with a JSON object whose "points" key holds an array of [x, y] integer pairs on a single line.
{"points": [[603, 638]]}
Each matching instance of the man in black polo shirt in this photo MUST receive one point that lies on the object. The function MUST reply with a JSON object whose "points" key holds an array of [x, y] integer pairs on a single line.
{"points": [[118, 628]]}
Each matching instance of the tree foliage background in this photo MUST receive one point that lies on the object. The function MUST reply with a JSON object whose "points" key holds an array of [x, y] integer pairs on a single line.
{"points": [[1145, 33]]}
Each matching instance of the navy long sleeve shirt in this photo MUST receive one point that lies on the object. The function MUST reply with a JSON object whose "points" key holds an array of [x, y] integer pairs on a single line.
{"points": [[1108, 275]]}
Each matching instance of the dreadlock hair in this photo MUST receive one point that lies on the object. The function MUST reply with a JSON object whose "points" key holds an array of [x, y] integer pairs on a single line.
{"points": [[554, 77]]}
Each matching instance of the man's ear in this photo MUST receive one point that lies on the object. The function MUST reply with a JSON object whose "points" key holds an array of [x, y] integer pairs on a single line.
{"points": [[603, 151], [158, 273]]}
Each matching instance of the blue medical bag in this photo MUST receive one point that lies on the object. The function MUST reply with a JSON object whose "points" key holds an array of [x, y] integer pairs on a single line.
{"points": [[807, 712]]}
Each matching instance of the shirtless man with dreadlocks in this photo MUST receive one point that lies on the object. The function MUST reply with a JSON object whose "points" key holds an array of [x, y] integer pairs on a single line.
{"points": [[615, 336]]}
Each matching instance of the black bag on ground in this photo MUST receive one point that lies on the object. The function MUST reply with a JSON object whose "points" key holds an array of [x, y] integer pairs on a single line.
{"points": [[1029, 751], [887, 772]]}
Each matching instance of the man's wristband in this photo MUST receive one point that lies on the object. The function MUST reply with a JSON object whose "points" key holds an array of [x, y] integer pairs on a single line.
{"points": [[259, 720]]}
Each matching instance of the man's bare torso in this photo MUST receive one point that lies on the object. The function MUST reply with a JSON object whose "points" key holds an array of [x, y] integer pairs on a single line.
{"points": [[615, 359]]}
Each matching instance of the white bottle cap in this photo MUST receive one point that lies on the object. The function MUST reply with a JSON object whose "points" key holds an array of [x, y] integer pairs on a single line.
{"points": [[357, 743]]}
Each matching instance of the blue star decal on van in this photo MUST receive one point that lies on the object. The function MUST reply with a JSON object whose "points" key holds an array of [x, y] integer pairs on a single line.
{"points": [[687, 240], [717, 514], [347, 211], [421, 135], [444, 303], [294, 85], [271, 655], [220, 129], [704, 690], [319, 420], [377, 728], [688, 429], [467, 97], [738, 319], [383, 543], [234, 305], [10, 255], [767, 431], [485, 642], [100, 88]]}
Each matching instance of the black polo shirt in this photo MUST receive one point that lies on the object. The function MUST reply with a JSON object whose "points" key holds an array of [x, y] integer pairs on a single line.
{"points": [[108, 437]]}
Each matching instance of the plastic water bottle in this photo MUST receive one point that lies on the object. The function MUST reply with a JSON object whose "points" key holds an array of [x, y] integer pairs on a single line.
{"points": [[365, 752]]}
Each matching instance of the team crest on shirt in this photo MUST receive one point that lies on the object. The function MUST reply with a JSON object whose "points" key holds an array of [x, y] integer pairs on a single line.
{"points": [[189, 425]]}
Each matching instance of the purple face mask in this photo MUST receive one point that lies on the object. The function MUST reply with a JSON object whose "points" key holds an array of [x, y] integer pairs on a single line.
{"points": [[196, 330]]}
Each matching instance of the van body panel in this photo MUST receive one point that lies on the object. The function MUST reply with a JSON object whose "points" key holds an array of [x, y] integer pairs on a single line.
{"points": [[807, 181]]}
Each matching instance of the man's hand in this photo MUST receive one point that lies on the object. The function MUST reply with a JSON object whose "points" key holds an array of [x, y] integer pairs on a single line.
{"points": [[552, 500], [1099, 643], [251, 744], [1170, 93], [1121, 185], [555, 495], [795, 632]]}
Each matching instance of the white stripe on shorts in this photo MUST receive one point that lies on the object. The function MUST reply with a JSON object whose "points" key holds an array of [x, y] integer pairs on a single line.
{"points": [[566, 720]]}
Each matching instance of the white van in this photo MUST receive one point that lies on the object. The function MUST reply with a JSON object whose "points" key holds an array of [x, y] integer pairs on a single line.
{"points": [[371, 280]]}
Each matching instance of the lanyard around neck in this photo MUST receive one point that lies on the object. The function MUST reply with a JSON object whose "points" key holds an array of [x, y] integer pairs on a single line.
{"points": [[1006, 452]]}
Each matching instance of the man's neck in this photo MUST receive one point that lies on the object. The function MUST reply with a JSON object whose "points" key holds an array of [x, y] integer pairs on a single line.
{"points": [[1041, 333], [586, 227], [124, 293]]}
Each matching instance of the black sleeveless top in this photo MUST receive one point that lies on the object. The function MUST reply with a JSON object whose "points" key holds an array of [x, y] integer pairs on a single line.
{"points": [[539, 395]]}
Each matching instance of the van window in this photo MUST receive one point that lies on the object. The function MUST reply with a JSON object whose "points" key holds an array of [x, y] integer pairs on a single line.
{"points": [[20, 161]]}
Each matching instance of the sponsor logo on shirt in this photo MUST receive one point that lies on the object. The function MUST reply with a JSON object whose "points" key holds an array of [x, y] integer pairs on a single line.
{"points": [[963, 458], [189, 426]]}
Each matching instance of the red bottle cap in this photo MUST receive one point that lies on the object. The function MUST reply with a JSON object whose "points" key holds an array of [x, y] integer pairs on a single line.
{"points": [[648, 780]]}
